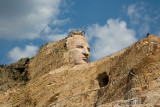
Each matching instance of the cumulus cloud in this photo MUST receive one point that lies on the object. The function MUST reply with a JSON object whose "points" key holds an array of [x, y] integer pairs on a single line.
{"points": [[110, 38], [17, 53], [24, 19]]}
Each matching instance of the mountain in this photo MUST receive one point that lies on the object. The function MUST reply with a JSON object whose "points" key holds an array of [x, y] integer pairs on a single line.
{"points": [[130, 77]]}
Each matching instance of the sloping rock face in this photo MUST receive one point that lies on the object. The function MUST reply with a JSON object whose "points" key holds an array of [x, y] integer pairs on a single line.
{"points": [[50, 56], [136, 77], [13, 75], [127, 78]]}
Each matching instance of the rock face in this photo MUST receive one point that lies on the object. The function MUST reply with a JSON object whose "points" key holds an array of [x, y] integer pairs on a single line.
{"points": [[50, 56], [130, 77], [15, 74], [78, 48]]}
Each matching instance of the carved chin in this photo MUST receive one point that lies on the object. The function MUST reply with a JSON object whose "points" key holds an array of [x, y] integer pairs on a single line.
{"points": [[78, 62]]}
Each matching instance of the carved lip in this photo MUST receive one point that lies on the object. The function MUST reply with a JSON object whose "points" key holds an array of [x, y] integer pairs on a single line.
{"points": [[85, 59]]}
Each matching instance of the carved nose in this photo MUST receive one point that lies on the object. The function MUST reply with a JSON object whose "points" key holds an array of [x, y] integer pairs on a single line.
{"points": [[86, 54]]}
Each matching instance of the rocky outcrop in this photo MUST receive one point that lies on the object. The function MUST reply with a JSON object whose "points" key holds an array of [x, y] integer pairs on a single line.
{"points": [[13, 75], [127, 78], [50, 56]]}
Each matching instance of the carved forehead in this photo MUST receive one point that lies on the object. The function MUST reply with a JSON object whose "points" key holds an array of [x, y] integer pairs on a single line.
{"points": [[76, 40]]}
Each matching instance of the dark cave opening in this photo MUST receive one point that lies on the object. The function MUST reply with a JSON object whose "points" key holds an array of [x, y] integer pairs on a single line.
{"points": [[103, 79]]}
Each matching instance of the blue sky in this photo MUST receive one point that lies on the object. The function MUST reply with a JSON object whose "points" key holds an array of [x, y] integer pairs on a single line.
{"points": [[110, 25]]}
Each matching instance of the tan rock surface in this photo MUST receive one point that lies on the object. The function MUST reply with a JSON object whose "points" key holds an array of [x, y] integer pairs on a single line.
{"points": [[129, 77]]}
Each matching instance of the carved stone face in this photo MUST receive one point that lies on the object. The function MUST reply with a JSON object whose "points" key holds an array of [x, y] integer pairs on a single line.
{"points": [[78, 49]]}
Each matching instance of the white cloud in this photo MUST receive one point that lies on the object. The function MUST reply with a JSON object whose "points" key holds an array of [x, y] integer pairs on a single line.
{"points": [[56, 37], [140, 17], [134, 14], [24, 19], [60, 22], [17, 53], [47, 29], [110, 38]]}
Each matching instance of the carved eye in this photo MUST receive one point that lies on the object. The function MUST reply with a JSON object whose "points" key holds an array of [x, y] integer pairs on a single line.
{"points": [[79, 46], [88, 49]]}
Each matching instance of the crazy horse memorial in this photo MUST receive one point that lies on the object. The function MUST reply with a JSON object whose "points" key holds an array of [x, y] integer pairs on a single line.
{"points": [[60, 75]]}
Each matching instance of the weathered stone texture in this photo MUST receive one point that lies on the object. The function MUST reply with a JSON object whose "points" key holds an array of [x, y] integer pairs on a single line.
{"points": [[127, 78], [13, 75], [50, 56]]}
